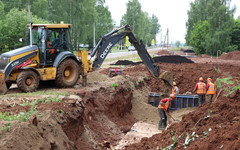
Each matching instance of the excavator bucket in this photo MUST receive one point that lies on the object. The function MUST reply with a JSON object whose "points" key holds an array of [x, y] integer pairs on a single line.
{"points": [[167, 77], [3, 86]]}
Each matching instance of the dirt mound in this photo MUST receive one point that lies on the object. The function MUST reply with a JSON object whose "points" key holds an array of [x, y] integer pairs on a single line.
{"points": [[210, 126], [204, 56], [188, 51], [172, 59], [164, 59], [234, 55], [126, 62], [163, 52], [186, 75]]}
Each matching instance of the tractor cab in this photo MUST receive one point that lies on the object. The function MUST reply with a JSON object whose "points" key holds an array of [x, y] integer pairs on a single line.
{"points": [[51, 39]]}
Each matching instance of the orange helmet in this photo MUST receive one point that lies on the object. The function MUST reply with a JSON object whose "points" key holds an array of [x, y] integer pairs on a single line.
{"points": [[174, 83], [201, 79], [172, 95], [209, 79]]}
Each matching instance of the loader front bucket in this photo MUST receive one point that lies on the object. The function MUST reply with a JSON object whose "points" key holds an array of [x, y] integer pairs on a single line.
{"points": [[3, 86], [167, 77]]}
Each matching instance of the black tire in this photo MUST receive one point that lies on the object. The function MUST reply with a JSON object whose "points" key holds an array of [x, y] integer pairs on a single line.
{"points": [[27, 81], [67, 73]]}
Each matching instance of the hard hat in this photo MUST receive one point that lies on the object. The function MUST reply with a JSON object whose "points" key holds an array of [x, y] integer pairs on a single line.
{"points": [[201, 79], [172, 95], [174, 83], [209, 79]]}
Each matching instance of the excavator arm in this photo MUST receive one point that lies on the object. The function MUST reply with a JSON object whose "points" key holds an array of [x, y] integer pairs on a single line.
{"points": [[106, 43]]}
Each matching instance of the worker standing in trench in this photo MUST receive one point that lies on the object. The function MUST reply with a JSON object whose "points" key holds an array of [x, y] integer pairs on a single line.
{"points": [[162, 108], [201, 91], [210, 88], [175, 89]]}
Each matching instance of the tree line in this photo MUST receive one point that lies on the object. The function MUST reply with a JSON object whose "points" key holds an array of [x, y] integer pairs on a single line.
{"points": [[211, 27], [145, 27], [85, 15]]}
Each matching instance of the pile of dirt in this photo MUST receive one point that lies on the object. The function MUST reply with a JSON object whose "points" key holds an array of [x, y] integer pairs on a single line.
{"points": [[234, 55], [126, 62], [164, 59], [186, 75], [172, 59], [188, 51], [163, 52], [210, 126]]}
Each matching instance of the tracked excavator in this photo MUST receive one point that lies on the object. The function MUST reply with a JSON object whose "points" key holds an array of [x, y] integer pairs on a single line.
{"points": [[49, 57]]}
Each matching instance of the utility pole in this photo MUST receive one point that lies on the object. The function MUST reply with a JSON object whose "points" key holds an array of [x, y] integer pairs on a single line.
{"points": [[167, 38], [94, 44], [30, 23], [49, 10]]}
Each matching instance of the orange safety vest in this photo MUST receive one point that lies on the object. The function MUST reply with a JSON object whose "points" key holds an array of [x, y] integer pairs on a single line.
{"points": [[165, 105], [49, 46], [201, 88], [211, 89], [174, 90]]}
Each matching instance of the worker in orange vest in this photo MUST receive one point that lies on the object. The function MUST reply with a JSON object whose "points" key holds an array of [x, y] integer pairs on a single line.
{"points": [[201, 91], [175, 89], [162, 108], [210, 88]]}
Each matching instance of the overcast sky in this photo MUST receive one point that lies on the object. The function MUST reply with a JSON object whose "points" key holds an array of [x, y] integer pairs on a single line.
{"points": [[171, 14]]}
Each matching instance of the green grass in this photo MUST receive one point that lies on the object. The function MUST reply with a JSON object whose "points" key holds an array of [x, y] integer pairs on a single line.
{"points": [[228, 85], [114, 85], [227, 80]]}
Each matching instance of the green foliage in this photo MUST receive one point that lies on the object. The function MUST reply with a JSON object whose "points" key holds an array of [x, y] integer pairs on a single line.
{"points": [[6, 127], [227, 80], [229, 84], [83, 14], [114, 85], [177, 43], [219, 15], [104, 23], [199, 36], [144, 27], [20, 116], [13, 25], [235, 36], [62, 112]]}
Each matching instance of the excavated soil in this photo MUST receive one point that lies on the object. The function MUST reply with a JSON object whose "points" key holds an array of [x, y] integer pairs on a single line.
{"points": [[164, 59], [96, 115], [234, 55], [99, 116], [163, 52], [212, 126]]}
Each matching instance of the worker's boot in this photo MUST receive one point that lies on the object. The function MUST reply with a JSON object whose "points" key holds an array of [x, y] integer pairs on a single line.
{"points": [[160, 127], [164, 123]]}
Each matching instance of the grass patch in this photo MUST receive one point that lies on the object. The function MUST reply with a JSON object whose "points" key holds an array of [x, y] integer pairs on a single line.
{"points": [[114, 85], [228, 85]]}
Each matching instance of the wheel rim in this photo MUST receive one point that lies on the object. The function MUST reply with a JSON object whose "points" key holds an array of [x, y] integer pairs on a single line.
{"points": [[69, 73], [29, 81]]}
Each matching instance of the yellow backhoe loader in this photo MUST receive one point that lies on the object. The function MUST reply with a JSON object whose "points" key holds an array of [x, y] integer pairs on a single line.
{"points": [[49, 57]]}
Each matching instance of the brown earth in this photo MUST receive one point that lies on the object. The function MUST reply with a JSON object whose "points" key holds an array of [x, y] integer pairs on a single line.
{"points": [[234, 55], [99, 115], [163, 52], [213, 126]]}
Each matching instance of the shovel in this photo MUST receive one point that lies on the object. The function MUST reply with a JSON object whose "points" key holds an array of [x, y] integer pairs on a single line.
{"points": [[171, 116]]}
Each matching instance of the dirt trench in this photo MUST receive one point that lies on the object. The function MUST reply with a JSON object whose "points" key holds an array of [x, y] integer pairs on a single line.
{"points": [[84, 120]]}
